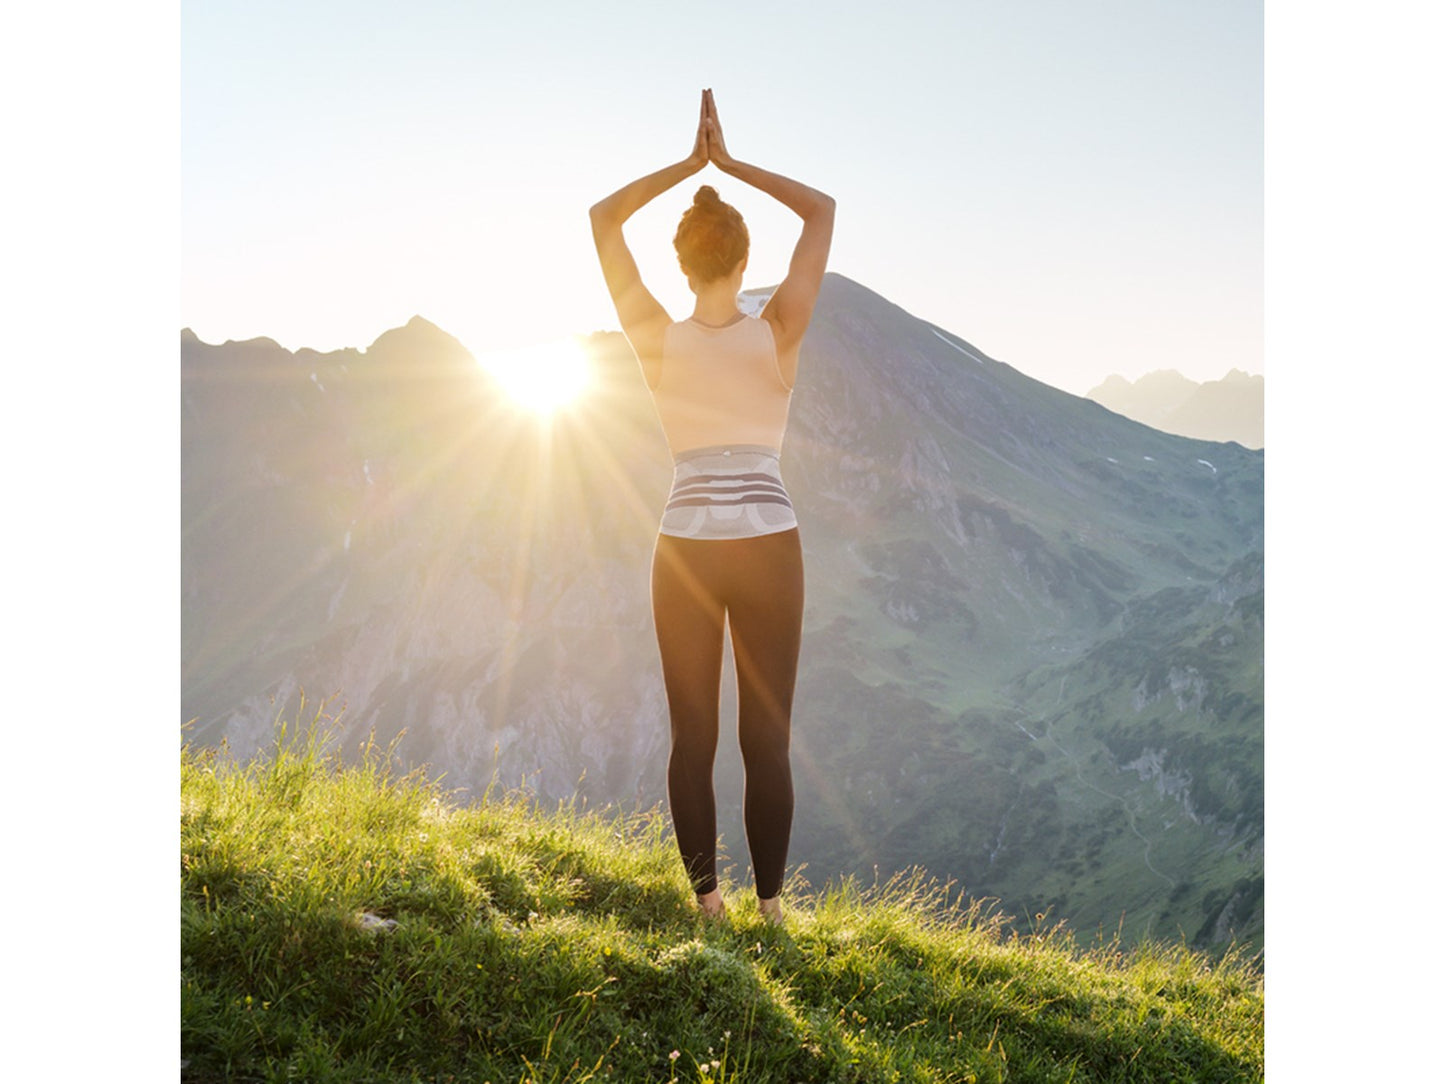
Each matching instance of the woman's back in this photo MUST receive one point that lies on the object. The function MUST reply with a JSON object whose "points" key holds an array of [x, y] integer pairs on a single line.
{"points": [[721, 385]]}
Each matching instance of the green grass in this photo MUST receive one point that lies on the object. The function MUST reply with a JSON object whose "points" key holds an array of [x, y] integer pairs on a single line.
{"points": [[530, 945]]}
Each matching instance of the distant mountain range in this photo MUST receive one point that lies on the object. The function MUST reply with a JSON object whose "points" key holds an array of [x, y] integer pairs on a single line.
{"points": [[1223, 410], [1033, 641]]}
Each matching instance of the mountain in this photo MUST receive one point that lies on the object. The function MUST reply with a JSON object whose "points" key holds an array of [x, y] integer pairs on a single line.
{"points": [[1032, 655], [1222, 410]]}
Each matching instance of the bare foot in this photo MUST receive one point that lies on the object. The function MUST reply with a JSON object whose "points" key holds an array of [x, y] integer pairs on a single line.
{"points": [[772, 910], [711, 905]]}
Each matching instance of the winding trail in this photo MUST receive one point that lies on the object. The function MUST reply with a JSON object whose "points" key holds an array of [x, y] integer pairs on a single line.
{"points": [[1128, 809]]}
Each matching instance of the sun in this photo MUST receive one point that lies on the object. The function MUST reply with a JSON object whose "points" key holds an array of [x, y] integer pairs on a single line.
{"points": [[542, 379]]}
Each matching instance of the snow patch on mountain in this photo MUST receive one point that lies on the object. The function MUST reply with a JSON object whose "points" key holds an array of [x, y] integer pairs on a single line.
{"points": [[960, 349], [754, 301]]}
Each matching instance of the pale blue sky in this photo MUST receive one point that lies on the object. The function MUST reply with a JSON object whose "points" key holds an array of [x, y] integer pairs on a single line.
{"points": [[1076, 187]]}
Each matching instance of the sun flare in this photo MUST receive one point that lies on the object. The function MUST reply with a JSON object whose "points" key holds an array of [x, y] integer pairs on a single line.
{"points": [[543, 379]]}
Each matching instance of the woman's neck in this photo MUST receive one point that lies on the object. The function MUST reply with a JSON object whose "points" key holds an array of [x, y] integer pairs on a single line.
{"points": [[717, 303]]}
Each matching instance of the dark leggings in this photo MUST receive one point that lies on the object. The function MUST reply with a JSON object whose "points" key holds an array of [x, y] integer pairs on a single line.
{"points": [[757, 583]]}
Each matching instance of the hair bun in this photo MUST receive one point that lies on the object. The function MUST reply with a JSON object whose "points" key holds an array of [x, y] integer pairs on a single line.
{"points": [[711, 238]]}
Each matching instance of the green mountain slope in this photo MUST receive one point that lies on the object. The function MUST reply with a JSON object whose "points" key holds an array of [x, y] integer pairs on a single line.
{"points": [[344, 924]]}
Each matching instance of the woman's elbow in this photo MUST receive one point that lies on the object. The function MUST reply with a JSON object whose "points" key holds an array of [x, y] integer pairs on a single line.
{"points": [[602, 213], [603, 221]]}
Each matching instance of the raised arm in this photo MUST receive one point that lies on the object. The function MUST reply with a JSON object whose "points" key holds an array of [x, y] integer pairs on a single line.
{"points": [[643, 319], [791, 306]]}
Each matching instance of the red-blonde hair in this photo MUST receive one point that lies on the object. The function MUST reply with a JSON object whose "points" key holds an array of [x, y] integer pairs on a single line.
{"points": [[711, 238]]}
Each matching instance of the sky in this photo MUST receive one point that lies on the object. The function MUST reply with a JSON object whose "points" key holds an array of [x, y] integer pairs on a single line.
{"points": [[1076, 188]]}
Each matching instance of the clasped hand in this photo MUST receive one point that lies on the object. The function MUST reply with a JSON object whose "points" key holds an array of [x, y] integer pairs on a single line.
{"points": [[709, 145]]}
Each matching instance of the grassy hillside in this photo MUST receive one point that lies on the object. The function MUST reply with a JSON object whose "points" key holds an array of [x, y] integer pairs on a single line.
{"points": [[340, 923]]}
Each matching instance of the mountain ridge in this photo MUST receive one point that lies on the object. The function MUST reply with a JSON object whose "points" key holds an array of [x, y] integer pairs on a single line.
{"points": [[1228, 409], [973, 538]]}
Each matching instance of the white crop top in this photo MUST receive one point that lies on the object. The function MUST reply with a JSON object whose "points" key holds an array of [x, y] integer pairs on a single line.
{"points": [[721, 386]]}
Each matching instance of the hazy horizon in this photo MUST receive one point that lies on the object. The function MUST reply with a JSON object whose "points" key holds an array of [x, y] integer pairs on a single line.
{"points": [[530, 350]]}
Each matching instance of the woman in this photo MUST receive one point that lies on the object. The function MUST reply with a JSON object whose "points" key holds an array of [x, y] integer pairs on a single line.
{"points": [[728, 548]]}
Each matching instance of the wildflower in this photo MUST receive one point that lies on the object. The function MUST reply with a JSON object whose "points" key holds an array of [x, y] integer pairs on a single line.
{"points": [[674, 1055]]}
